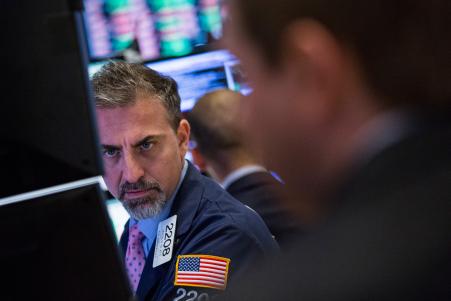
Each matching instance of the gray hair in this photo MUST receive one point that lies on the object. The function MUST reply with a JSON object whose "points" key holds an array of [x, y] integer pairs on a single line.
{"points": [[118, 84]]}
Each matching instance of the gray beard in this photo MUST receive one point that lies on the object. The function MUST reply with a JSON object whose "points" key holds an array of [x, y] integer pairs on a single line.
{"points": [[143, 208]]}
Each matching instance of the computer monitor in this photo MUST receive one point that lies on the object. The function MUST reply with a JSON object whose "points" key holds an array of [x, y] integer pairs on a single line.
{"points": [[47, 130], [58, 244], [198, 74], [151, 28]]}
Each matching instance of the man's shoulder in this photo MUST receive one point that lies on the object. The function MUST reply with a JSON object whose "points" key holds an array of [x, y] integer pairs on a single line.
{"points": [[216, 230], [255, 188], [421, 159], [224, 206], [217, 200], [258, 177], [219, 211]]}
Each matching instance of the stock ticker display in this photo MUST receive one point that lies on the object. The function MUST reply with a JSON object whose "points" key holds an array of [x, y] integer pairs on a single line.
{"points": [[152, 28]]}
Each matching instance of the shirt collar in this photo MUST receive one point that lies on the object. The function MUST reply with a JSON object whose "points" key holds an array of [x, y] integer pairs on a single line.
{"points": [[240, 173], [381, 132], [149, 225]]}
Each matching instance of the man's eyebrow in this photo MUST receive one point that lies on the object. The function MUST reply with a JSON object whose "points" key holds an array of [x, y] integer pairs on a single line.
{"points": [[107, 146], [145, 139]]}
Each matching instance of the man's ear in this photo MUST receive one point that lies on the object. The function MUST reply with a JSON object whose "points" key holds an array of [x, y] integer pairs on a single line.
{"points": [[318, 61], [183, 133]]}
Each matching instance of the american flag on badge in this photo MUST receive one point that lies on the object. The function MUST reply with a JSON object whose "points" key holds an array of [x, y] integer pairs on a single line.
{"points": [[202, 271]]}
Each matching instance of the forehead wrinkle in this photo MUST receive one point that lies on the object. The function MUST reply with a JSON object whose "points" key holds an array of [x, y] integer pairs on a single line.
{"points": [[128, 125]]}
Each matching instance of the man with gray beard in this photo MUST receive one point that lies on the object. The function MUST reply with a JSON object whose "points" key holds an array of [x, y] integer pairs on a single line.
{"points": [[186, 237]]}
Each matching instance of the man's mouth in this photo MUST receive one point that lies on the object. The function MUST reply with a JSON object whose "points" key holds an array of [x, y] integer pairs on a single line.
{"points": [[139, 193]]}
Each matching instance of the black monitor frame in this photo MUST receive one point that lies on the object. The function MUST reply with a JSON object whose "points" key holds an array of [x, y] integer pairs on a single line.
{"points": [[48, 132], [58, 244]]}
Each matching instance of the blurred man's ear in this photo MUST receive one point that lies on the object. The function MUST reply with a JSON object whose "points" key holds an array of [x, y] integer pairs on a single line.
{"points": [[319, 63], [199, 160]]}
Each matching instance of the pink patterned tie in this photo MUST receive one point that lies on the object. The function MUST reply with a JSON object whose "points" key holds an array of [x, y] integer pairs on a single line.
{"points": [[134, 259]]}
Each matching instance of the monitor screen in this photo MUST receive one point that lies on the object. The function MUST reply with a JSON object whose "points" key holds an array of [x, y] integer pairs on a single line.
{"points": [[198, 74], [151, 28]]}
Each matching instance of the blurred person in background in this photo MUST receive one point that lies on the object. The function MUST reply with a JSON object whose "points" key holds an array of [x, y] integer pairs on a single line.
{"points": [[351, 106], [221, 150]]}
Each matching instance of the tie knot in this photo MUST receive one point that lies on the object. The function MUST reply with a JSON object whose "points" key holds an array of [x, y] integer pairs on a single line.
{"points": [[135, 234]]}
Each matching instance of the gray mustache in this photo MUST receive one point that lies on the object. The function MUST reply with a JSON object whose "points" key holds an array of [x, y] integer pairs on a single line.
{"points": [[141, 185]]}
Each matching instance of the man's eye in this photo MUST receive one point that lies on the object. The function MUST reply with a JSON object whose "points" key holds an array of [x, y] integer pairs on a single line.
{"points": [[110, 153], [146, 145]]}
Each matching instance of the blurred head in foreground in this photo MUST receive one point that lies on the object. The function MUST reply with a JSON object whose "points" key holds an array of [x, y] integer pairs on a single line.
{"points": [[321, 71]]}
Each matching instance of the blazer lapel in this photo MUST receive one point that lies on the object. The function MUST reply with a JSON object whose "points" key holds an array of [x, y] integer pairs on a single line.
{"points": [[123, 242], [150, 276], [187, 200]]}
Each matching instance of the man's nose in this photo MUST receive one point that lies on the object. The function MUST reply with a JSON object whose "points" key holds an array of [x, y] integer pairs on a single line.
{"points": [[132, 169]]}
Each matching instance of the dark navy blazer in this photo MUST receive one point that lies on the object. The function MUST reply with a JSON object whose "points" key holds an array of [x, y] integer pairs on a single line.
{"points": [[262, 192], [209, 222]]}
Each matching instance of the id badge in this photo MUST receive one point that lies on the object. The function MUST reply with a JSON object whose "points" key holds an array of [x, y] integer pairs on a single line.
{"points": [[164, 243]]}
